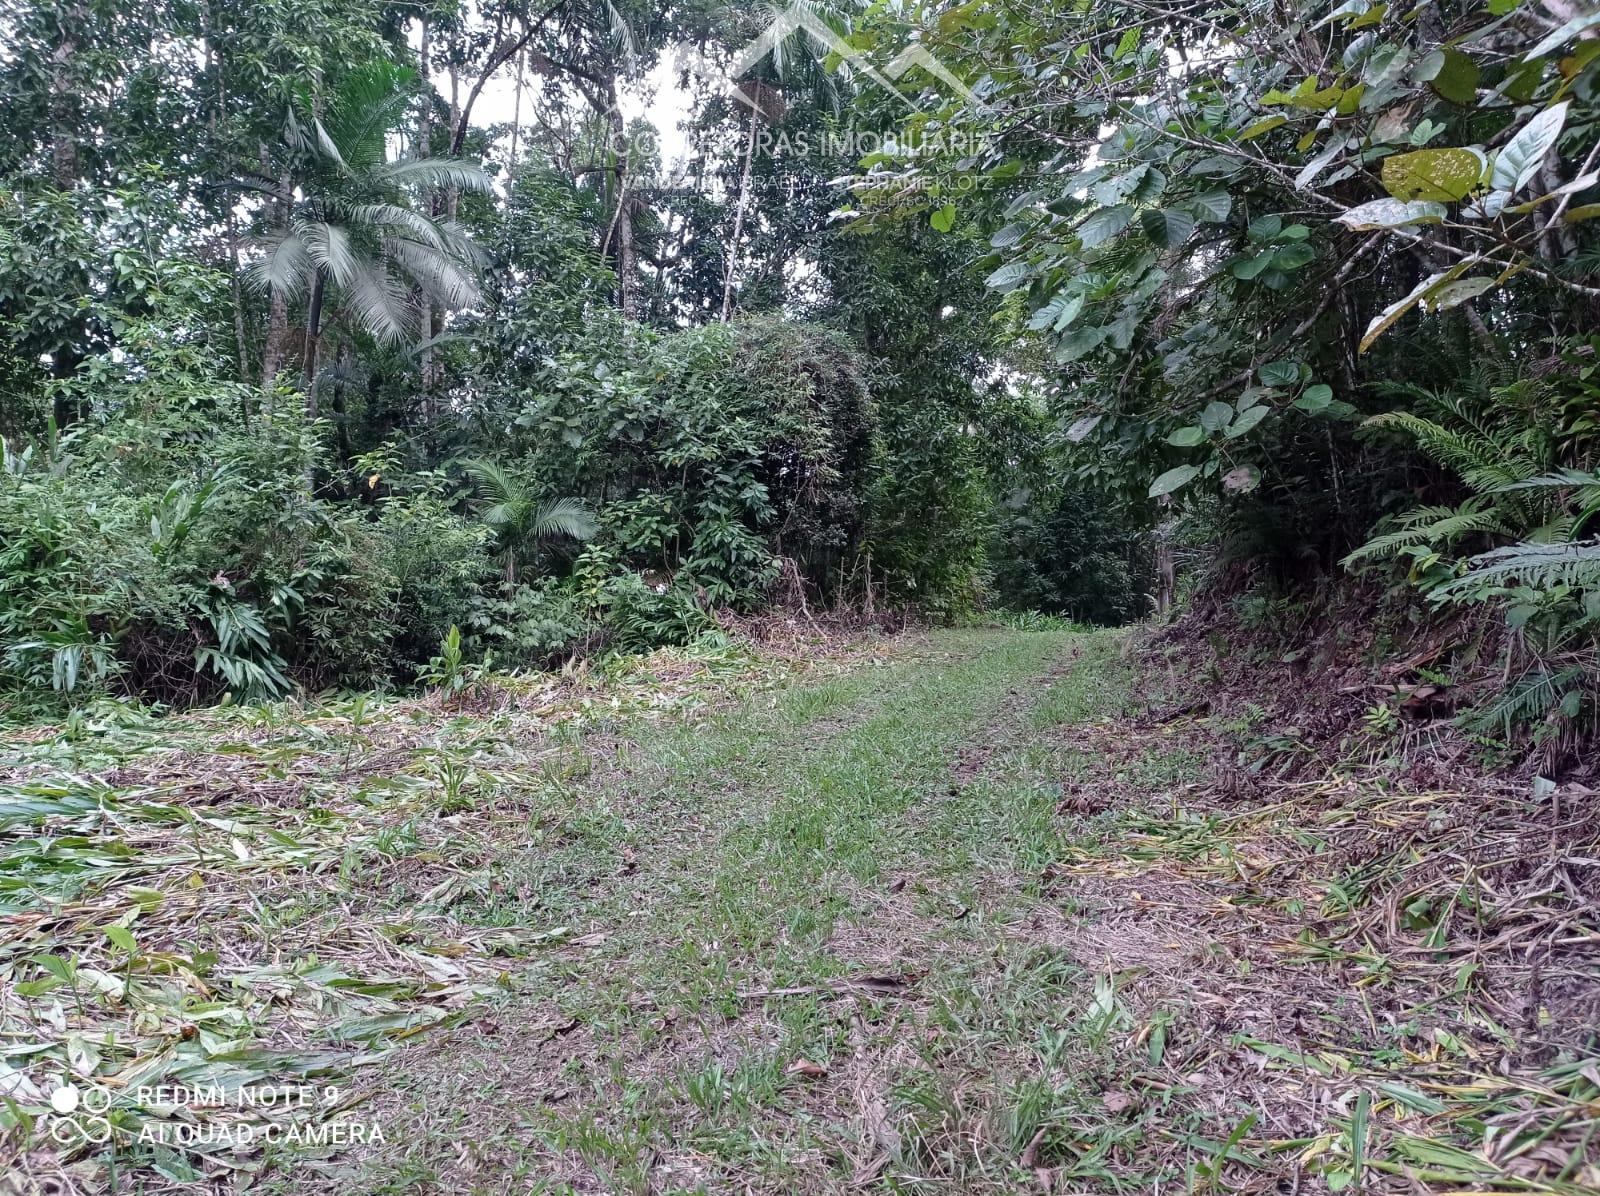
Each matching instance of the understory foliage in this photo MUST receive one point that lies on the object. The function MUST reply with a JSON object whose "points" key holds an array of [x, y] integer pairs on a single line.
{"points": [[1097, 296], [1297, 276]]}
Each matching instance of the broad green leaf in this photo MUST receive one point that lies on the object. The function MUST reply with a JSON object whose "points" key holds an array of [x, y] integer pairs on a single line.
{"points": [[121, 938], [1068, 313], [944, 219], [1216, 416], [1392, 213], [1264, 228], [1212, 207], [1315, 398], [1346, 11], [1292, 257], [1008, 276], [1280, 373], [1174, 479], [1115, 190], [1167, 227], [1103, 224], [1082, 426], [1439, 175], [1452, 74], [1187, 437], [1372, 16], [1309, 172], [1563, 35], [1265, 125], [1058, 313], [1006, 237], [1247, 268], [1454, 294], [1075, 344], [1520, 159], [1246, 421]]}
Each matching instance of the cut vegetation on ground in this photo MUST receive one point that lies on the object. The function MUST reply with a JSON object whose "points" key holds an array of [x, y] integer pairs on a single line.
{"points": [[953, 913]]}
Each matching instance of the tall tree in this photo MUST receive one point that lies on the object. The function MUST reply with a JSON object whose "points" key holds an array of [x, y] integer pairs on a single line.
{"points": [[358, 231]]}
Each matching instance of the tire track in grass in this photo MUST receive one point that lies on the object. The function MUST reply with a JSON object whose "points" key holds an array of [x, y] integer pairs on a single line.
{"points": [[761, 840]]}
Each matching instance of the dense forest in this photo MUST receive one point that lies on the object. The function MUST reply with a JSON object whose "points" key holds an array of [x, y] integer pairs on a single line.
{"points": [[309, 357], [811, 596]]}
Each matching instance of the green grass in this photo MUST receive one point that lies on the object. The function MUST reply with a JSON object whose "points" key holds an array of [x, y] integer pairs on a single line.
{"points": [[943, 918]]}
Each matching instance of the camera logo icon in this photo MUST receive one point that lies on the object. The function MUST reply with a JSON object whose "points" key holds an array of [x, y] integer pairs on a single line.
{"points": [[78, 1113]]}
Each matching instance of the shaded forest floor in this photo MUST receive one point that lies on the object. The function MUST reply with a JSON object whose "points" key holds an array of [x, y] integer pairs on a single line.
{"points": [[948, 913]]}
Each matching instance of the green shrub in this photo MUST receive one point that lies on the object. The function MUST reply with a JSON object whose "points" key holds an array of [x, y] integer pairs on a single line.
{"points": [[534, 626], [441, 570]]}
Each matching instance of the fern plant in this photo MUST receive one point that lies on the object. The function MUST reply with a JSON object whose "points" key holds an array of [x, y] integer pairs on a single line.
{"points": [[1506, 446], [1493, 438]]}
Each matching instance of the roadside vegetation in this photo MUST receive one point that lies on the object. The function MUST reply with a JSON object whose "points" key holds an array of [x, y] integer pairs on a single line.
{"points": [[984, 597]]}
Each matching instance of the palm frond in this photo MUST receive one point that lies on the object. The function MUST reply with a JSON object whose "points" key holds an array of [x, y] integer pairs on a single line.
{"points": [[492, 479], [380, 305], [392, 218], [433, 172], [284, 269], [370, 101], [328, 245], [568, 518], [439, 276]]}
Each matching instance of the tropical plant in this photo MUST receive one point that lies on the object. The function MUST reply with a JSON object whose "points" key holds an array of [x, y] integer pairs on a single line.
{"points": [[524, 521], [358, 237], [1500, 440]]}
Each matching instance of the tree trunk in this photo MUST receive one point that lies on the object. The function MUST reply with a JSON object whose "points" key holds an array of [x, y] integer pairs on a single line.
{"points": [[340, 415], [278, 312], [620, 233], [425, 150], [516, 115], [308, 369], [234, 274], [738, 213], [63, 103]]}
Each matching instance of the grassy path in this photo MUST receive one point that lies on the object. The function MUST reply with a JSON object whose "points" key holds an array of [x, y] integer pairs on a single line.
{"points": [[822, 899], [948, 915], [964, 925]]}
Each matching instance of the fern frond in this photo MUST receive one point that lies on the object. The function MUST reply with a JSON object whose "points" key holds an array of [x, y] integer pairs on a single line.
{"points": [[1537, 566], [1530, 698], [1438, 526]]}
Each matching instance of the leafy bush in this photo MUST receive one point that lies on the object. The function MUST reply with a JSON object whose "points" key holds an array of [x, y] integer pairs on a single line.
{"points": [[1074, 555], [535, 625], [440, 568]]}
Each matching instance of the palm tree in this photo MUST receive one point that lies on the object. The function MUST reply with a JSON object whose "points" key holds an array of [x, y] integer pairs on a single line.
{"points": [[524, 521], [358, 233]]}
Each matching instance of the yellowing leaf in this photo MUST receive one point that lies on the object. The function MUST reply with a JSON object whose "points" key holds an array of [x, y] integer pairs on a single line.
{"points": [[1389, 316], [1265, 125], [1440, 175]]}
